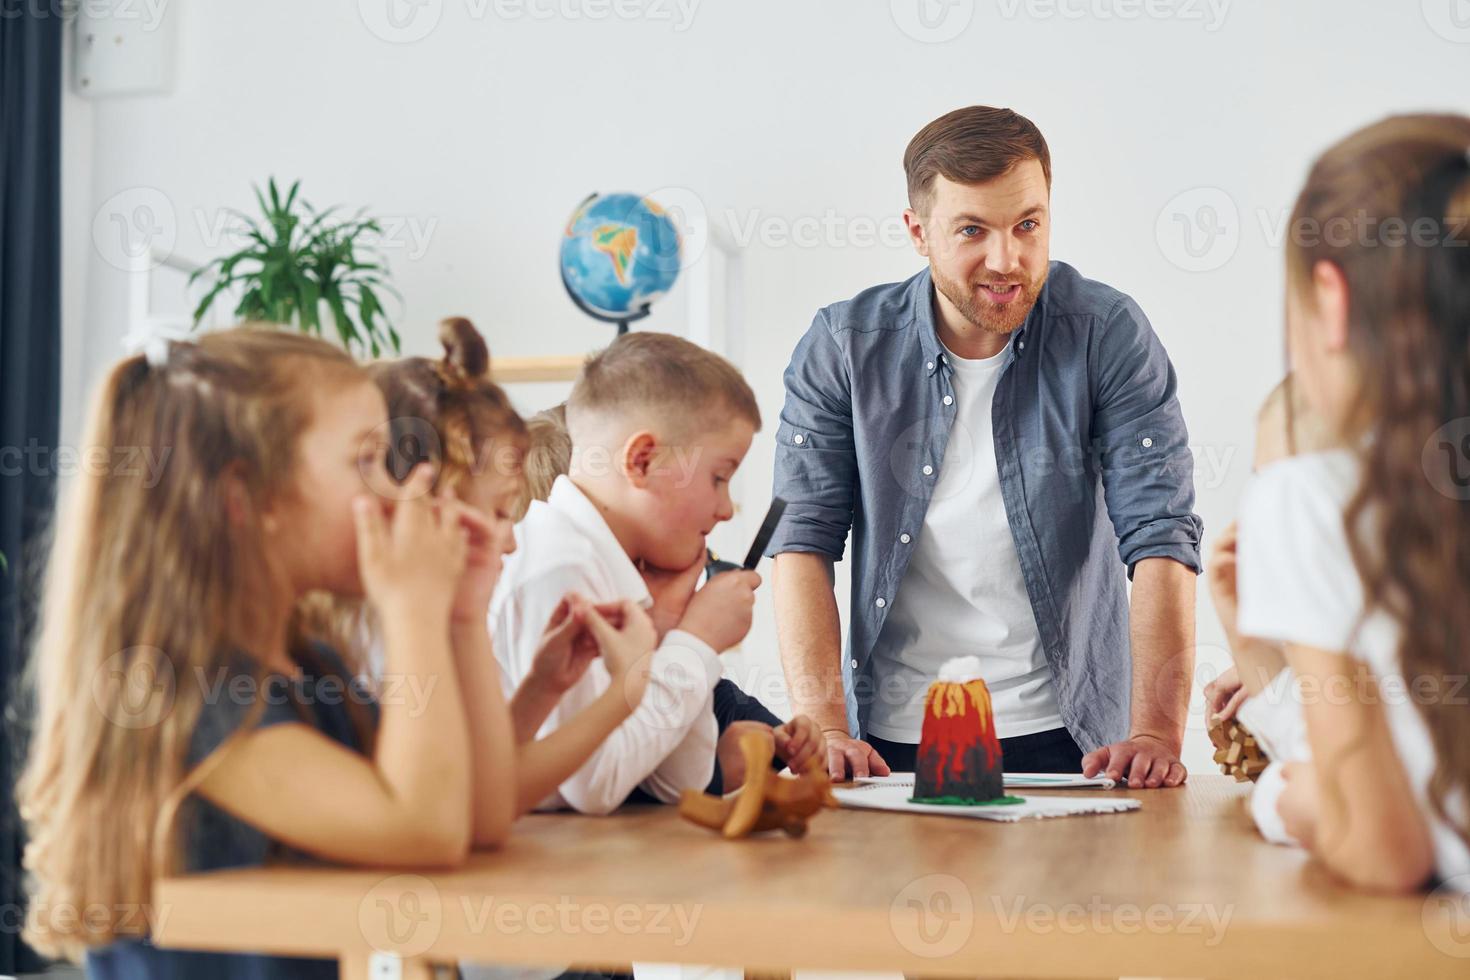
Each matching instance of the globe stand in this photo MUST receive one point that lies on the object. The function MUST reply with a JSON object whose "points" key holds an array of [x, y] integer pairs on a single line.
{"points": [[621, 321]]}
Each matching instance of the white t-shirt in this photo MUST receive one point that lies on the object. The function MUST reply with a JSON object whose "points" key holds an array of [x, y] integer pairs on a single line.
{"points": [[1274, 717], [1297, 584], [963, 593]]}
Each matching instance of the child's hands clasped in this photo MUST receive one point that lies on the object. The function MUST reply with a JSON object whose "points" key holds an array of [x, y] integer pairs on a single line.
{"points": [[567, 647], [626, 637]]}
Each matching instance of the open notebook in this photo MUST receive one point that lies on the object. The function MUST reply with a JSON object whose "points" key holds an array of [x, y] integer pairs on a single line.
{"points": [[1014, 780], [893, 792]]}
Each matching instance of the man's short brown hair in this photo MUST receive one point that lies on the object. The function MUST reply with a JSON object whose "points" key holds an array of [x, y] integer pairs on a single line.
{"points": [[692, 389], [970, 146]]}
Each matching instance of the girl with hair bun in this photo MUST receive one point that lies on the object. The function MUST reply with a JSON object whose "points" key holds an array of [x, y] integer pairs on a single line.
{"points": [[448, 414]]}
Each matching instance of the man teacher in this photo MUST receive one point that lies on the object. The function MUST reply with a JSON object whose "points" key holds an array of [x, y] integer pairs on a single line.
{"points": [[1003, 439]]}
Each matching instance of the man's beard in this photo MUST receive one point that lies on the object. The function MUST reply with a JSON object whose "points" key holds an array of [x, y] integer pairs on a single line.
{"points": [[983, 313]]}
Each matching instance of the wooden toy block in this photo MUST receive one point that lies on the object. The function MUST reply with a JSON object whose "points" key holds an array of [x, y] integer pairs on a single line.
{"points": [[1237, 752], [766, 800]]}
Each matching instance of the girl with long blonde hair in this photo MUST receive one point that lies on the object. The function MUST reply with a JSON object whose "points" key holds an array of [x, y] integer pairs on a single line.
{"points": [[182, 722]]}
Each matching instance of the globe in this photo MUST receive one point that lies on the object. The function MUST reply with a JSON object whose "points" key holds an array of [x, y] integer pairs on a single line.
{"points": [[619, 253]]}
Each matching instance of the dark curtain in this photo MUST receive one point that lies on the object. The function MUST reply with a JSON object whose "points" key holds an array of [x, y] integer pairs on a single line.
{"points": [[30, 377]]}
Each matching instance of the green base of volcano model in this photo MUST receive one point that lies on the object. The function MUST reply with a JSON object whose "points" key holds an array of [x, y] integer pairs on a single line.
{"points": [[962, 801]]}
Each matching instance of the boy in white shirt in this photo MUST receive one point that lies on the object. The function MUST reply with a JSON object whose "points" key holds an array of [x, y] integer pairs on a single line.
{"points": [[658, 425]]}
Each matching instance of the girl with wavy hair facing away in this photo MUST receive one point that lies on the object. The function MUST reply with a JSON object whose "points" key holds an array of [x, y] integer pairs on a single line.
{"points": [[1355, 560]]}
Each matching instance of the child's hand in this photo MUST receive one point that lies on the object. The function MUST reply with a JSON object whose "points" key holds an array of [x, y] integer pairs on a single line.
{"points": [[627, 648], [720, 613], [410, 560], [481, 568], [728, 751], [671, 593], [1297, 803], [1223, 695], [1221, 576], [798, 742], [566, 649]]}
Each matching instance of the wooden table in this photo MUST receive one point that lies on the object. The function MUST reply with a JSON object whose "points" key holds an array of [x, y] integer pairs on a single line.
{"points": [[1182, 888]]}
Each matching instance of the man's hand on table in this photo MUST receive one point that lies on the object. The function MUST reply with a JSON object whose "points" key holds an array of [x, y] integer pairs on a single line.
{"points": [[1147, 761], [846, 754]]}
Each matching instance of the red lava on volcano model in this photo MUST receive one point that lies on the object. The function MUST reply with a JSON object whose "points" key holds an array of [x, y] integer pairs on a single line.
{"points": [[959, 758]]}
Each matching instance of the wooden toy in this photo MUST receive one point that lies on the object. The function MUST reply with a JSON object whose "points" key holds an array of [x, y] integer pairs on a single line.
{"points": [[767, 800], [1236, 751]]}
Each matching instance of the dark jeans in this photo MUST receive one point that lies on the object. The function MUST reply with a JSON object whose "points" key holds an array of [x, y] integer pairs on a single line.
{"points": [[1052, 751]]}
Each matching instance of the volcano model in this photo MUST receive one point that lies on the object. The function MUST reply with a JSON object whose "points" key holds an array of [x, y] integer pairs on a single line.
{"points": [[959, 758]]}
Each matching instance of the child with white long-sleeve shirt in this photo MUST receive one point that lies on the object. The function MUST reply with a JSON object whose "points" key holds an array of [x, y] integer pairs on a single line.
{"points": [[658, 425]]}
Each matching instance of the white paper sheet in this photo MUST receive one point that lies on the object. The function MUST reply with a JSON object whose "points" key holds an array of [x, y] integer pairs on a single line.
{"points": [[1013, 780], [895, 797]]}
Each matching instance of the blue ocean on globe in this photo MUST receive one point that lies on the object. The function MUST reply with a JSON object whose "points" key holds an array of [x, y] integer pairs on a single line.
{"points": [[619, 252]]}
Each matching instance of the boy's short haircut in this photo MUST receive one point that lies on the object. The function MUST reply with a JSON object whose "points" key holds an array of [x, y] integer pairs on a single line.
{"points": [[693, 389], [548, 456]]}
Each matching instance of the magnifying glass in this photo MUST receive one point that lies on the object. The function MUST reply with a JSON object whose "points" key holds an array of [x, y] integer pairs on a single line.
{"points": [[714, 566]]}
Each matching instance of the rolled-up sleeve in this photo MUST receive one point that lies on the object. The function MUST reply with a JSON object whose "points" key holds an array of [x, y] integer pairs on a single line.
{"points": [[1146, 463], [816, 466]]}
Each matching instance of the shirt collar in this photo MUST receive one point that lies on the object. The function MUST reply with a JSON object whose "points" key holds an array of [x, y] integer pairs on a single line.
{"points": [[921, 297], [567, 499]]}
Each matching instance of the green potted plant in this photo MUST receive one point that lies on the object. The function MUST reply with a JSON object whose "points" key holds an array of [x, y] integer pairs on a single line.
{"points": [[298, 260]]}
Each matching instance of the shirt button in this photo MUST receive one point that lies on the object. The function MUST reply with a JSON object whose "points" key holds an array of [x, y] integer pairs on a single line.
{"points": [[799, 438], [929, 366], [1020, 345], [853, 664], [905, 538], [882, 602], [949, 399], [1147, 442], [928, 470]]}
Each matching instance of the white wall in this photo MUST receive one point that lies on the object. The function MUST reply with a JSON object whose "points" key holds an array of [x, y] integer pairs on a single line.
{"points": [[788, 121]]}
